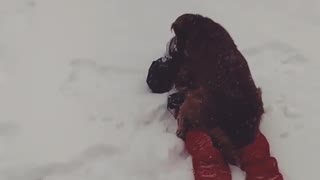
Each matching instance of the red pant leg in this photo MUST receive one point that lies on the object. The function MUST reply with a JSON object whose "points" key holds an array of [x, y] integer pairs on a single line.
{"points": [[208, 162], [256, 161]]}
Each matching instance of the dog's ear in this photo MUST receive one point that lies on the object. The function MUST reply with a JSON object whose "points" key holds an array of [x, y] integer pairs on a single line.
{"points": [[222, 142], [184, 23]]}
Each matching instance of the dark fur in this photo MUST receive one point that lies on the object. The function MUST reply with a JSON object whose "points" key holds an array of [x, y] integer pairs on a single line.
{"points": [[209, 60]]}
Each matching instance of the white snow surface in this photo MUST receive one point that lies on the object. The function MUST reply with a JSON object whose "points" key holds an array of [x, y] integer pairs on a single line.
{"points": [[75, 105]]}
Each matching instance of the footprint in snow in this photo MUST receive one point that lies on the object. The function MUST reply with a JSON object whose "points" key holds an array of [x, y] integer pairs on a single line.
{"points": [[290, 112], [42, 172], [284, 135]]}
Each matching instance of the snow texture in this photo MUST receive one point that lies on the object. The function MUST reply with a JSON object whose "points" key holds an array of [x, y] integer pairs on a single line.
{"points": [[75, 105]]}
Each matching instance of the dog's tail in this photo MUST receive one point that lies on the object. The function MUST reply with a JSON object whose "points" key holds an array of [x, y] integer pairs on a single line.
{"points": [[224, 144]]}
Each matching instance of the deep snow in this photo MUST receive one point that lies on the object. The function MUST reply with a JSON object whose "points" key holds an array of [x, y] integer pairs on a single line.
{"points": [[75, 105]]}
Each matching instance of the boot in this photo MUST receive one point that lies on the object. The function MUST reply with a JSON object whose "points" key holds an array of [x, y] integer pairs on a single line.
{"points": [[256, 161], [208, 162]]}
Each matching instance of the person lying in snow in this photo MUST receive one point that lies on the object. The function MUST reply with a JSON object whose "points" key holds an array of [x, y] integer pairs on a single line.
{"points": [[216, 97]]}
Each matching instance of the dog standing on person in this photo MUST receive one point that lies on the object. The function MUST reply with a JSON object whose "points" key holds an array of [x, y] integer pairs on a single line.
{"points": [[216, 91]]}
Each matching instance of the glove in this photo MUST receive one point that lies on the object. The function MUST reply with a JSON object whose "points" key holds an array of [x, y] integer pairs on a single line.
{"points": [[175, 100], [160, 75]]}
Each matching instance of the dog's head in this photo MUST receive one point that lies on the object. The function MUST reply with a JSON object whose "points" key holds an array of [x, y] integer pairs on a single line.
{"points": [[197, 34], [191, 31], [186, 24]]}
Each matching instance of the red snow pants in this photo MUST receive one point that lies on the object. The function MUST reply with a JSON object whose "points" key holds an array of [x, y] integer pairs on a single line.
{"points": [[209, 164]]}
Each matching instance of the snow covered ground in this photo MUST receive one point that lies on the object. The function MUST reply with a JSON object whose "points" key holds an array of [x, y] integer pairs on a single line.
{"points": [[74, 104]]}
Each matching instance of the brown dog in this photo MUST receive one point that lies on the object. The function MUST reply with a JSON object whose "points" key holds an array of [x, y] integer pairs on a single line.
{"points": [[221, 94]]}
